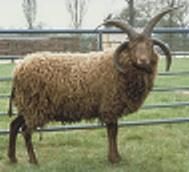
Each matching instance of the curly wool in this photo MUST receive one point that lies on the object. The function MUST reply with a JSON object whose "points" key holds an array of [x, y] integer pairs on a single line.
{"points": [[69, 87]]}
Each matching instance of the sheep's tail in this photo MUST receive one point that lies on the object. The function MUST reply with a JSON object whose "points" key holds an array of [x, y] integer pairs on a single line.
{"points": [[10, 111]]}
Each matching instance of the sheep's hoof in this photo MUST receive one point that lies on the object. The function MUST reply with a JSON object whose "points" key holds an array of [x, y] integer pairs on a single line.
{"points": [[114, 159], [33, 161], [13, 160]]}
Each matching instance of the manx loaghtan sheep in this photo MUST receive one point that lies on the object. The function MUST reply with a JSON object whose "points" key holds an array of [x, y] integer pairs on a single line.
{"points": [[69, 87]]}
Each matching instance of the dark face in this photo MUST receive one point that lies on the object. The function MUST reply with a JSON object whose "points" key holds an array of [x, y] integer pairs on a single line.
{"points": [[142, 53]]}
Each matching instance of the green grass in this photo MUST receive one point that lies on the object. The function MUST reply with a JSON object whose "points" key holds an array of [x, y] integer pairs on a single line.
{"points": [[162, 148], [143, 149]]}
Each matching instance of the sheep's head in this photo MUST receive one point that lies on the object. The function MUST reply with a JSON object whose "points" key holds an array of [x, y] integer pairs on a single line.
{"points": [[140, 53], [140, 45]]}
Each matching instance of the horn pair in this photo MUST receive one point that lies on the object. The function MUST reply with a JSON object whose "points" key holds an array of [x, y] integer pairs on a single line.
{"points": [[132, 34]]}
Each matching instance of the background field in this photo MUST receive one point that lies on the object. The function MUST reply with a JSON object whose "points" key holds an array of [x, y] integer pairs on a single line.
{"points": [[162, 148]]}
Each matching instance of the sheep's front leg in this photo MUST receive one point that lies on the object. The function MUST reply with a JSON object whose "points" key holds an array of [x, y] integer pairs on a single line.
{"points": [[28, 141], [112, 131], [14, 129]]}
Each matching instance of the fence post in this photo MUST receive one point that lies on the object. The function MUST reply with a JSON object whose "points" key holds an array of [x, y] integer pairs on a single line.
{"points": [[99, 41]]}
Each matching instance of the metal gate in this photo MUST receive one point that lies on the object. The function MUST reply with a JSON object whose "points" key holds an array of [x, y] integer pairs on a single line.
{"points": [[99, 38]]}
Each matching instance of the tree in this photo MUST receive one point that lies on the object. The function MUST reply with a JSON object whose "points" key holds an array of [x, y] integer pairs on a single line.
{"points": [[77, 10], [177, 42], [137, 13], [179, 17], [131, 11], [125, 15], [143, 10], [30, 10], [146, 9]]}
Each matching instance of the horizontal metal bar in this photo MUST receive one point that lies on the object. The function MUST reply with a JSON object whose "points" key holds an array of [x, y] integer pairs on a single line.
{"points": [[17, 57], [156, 89], [171, 30], [121, 124], [4, 132], [180, 53], [173, 73], [99, 126], [146, 107], [160, 74], [59, 31], [5, 79], [5, 96], [6, 113], [168, 105], [11, 57], [87, 31]]}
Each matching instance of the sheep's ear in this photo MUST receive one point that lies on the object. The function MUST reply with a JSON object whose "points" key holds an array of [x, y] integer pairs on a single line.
{"points": [[166, 51], [116, 56]]}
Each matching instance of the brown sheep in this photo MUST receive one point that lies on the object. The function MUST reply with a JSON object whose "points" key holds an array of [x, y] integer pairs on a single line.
{"points": [[70, 87]]}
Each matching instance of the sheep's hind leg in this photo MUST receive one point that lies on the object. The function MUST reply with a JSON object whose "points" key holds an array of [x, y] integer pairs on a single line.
{"points": [[14, 129], [112, 131], [28, 142]]}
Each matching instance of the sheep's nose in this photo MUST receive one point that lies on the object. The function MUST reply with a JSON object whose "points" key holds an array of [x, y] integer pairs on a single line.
{"points": [[143, 60]]}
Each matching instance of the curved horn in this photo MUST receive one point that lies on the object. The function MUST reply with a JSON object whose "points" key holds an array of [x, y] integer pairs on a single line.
{"points": [[126, 27], [116, 56], [166, 51], [150, 25]]}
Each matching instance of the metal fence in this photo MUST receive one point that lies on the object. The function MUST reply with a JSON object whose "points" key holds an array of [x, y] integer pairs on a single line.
{"points": [[99, 35]]}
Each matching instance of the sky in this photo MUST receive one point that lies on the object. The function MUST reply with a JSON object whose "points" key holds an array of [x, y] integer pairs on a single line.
{"points": [[53, 13]]}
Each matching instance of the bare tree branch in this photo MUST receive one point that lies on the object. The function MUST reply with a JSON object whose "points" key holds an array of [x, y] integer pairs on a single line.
{"points": [[30, 10], [77, 10]]}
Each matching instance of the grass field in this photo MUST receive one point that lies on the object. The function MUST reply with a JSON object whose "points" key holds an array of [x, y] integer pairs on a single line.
{"points": [[162, 148]]}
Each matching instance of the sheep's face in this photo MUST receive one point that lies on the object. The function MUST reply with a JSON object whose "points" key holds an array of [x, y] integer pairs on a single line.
{"points": [[142, 53]]}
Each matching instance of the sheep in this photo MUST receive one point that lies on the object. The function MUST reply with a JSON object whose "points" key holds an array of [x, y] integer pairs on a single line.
{"points": [[69, 87]]}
